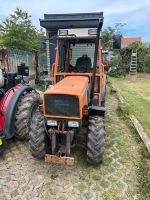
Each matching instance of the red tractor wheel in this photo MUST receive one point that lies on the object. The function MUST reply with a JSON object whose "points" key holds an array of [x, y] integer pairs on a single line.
{"points": [[26, 106]]}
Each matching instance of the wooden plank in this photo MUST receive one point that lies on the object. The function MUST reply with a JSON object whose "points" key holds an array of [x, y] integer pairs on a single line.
{"points": [[59, 160], [140, 130]]}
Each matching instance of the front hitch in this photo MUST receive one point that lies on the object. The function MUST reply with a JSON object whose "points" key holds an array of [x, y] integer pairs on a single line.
{"points": [[60, 155]]}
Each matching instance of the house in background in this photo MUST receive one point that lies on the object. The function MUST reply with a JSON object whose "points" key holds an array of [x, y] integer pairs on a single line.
{"points": [[126, 41]]}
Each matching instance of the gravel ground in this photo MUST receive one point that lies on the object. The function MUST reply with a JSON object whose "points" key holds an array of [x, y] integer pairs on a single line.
{"points": [[24, 178]]}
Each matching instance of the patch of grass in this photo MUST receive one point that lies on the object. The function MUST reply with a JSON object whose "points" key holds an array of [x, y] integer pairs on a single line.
{"points": [[87, 195], [96, 177], [105, 183], [145, 176], [111, 195], [82, 187], [137, 94], [62, 198]]}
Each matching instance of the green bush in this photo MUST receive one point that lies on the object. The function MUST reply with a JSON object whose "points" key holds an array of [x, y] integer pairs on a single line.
{"points": [[117, 67], [120, 63], [143, 57]]}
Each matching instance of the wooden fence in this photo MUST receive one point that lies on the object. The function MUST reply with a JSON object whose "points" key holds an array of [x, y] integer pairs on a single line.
{"points": [[10, 59]]}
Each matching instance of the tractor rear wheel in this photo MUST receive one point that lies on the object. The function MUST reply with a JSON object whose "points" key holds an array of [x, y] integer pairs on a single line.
{"points": [[95, 141], [26, 106], [37, 136]]}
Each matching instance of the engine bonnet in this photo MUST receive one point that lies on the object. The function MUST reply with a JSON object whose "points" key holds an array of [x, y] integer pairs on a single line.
{"points": [[71, 85]]}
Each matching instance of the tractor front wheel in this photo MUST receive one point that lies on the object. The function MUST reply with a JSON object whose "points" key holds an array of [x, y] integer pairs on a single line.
{"points": [[95, 141], [37, 136], [26, 106]]}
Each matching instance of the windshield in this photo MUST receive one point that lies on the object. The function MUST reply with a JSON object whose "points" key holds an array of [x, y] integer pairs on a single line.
{"points": [[76, 55]]}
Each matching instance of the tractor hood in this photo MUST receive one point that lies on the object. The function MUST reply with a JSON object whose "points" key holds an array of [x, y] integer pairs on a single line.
{"points": [[71, 85], [67, 98]]}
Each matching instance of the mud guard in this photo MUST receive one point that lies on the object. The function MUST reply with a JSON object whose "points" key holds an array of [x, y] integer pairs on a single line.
{"points": [[9, 127], [96, 110]]}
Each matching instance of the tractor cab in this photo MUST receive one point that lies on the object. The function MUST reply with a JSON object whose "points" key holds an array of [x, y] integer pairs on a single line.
{"points": [[74, 49], [75, 53], [75, 56]]}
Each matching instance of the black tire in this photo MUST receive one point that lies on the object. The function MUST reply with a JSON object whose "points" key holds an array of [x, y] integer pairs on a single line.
{"points": [[95, 141], [37, 136], [26, 106]]}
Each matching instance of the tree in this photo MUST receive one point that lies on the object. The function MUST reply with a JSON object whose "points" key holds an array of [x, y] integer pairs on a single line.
{"points": [[18, 32], [108, 34], [1, 39]]}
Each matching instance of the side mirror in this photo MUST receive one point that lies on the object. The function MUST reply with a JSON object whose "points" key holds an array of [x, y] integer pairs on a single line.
{"points": [[117, 41]]}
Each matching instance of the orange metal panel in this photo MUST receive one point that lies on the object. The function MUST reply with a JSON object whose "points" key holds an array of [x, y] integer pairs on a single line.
{"points": [[71, 85]]}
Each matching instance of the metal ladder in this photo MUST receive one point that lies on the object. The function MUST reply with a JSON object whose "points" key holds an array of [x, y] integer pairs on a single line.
{"points": [[133, 64]]}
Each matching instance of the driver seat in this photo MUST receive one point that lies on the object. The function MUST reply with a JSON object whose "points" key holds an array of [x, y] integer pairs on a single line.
{"points": [[84, 64]]}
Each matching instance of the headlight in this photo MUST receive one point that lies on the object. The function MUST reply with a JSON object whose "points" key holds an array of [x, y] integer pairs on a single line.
{"points": [[51, 122], [73, 124]]}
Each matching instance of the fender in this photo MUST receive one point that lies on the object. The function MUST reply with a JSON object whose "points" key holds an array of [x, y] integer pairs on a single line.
{"points": [[96, 110], [9, 121]]}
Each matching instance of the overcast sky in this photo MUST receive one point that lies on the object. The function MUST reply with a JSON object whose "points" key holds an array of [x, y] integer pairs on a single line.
{"points": [[135, 13]]}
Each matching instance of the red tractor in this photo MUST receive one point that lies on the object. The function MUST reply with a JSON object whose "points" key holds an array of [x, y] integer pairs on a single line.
{"points": [[17, 101]]}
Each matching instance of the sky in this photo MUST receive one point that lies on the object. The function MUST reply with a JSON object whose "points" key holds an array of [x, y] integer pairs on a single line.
{"points": [[135, 13]]}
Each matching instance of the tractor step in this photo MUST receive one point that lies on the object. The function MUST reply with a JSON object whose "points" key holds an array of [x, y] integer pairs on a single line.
{"points": [[59, 160]]}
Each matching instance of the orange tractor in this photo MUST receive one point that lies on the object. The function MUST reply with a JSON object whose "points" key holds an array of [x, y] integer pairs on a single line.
{"points": [[72, 111]]}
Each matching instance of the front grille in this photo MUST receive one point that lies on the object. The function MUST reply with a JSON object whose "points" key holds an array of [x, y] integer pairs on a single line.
{"points": [[62, 105]]}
